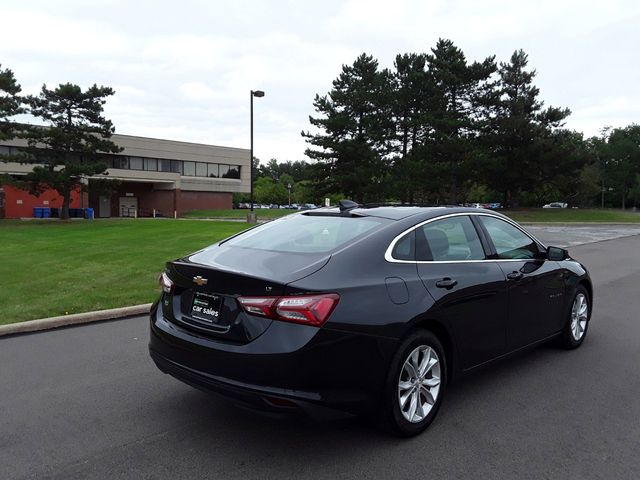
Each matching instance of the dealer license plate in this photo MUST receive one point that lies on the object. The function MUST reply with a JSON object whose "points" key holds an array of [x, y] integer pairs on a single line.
{"points": [[206, 307]]}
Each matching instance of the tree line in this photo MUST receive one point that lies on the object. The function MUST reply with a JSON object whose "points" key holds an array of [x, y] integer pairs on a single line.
{"points": [[437, 128]]}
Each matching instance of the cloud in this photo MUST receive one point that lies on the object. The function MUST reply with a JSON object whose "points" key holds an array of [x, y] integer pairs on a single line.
{"points": [[185, 71], [29, 31]]}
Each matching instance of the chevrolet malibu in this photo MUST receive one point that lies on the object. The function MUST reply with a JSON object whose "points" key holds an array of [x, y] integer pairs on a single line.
{"points": [[364, 310]]}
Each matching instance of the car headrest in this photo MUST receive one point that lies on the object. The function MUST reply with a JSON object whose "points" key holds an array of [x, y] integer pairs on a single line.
{"points": [[438, 243]]}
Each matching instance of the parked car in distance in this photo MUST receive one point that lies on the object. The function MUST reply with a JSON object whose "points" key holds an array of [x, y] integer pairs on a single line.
{"points": [[364, 310], [492, 206], [555, 205]]}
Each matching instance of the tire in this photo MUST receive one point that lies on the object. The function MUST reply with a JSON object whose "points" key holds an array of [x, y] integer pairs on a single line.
{"points": [[578, 316], [421, 348]]}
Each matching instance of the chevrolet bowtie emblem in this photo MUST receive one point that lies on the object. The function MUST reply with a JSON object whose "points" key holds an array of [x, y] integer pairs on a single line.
{"points": [[200, 281]]}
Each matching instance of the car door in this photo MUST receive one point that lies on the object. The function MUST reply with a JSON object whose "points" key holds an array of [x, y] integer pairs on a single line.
{"points": [[469, 290], [535, 284]]}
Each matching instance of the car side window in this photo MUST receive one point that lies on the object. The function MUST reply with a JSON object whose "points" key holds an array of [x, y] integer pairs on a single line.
{"points": [[449, 239], [509, 241], [405, 247]]}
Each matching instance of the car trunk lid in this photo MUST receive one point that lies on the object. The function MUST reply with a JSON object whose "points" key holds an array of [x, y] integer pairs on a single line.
{"points": [[208, 283]]}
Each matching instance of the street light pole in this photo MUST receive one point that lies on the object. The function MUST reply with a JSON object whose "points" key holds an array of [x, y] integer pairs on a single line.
{"points": [[251, 218]]}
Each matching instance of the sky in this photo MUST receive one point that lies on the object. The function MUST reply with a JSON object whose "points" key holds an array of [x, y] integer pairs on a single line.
{"points": [[184, 70]]}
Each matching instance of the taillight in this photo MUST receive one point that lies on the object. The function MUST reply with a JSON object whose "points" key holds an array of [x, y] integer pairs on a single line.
{"points": [[306, 309], [166, 283]]}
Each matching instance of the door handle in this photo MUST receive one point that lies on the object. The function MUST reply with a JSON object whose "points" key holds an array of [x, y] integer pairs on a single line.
{"points": [[515, 275], [447, 283]]}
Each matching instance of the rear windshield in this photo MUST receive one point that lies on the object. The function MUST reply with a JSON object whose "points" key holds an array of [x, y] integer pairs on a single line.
{"points": [[305, 234]]}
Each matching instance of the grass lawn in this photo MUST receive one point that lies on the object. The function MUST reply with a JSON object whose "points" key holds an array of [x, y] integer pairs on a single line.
{"points": [[571, 215], [239, 213], [53, 268]]}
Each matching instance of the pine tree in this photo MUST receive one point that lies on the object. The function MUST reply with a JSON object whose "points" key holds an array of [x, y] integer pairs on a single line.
{"points": [[412, 90], [457, 111], [73, 143], [10, 103], [622, 153], [521, 126], [353, 121]]}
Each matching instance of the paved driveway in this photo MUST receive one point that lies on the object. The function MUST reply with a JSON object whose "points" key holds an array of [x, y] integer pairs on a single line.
{"points": [[571, 235], [88, 403]]}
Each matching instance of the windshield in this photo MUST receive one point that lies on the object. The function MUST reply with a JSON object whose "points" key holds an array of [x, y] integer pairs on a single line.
{"points": [[305, 234]]}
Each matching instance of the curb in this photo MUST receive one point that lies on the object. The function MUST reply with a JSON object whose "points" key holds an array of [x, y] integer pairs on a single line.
{"points": [[74, 319]]}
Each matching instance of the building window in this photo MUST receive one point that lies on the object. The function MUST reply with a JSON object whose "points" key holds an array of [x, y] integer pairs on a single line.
{"points": [[201, 169], [4, 150], [135, 163], [213, 170], [224, 171], [164, 165], [176, 166], [234, 171], [121, 161], [151, 164], [189, 169], [106, 159]]}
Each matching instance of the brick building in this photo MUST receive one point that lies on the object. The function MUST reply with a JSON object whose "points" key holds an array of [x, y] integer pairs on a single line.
{"points": [[154, 174]]}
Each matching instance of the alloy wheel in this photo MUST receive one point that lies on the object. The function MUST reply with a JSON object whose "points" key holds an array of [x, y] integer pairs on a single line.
{"points": [[579, 316], [419, 383]]}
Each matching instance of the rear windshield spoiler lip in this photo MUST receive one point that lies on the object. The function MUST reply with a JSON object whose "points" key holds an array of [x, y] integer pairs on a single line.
{"points": [[173, 264]]}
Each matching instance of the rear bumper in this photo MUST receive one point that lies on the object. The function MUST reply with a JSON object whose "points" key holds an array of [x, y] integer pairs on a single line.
{"points": [[253, 396], [288, 367]]}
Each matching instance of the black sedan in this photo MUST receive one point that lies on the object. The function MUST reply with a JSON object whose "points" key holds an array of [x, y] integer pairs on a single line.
{"points": [[365, 310]]}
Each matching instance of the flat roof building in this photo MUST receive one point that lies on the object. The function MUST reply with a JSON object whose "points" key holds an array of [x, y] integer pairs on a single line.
{"points": [[158, 175]]}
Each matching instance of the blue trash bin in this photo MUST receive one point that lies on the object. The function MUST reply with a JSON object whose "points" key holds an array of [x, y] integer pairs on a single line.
{"points": [[46, 212], [37, 212], [88, 213]]}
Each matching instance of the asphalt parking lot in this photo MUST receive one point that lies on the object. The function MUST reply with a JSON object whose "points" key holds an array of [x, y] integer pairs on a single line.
{"points": [[87, 402], [572, 235]]}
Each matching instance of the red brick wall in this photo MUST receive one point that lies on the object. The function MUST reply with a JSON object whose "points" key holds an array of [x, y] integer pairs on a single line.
{"points": [[13, 209], [161, 200], [148, 199], [204, 201], [166, 201]]}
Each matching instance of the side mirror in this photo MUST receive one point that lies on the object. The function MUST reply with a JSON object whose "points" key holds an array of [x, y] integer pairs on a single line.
{"points": [[557, 254]]}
